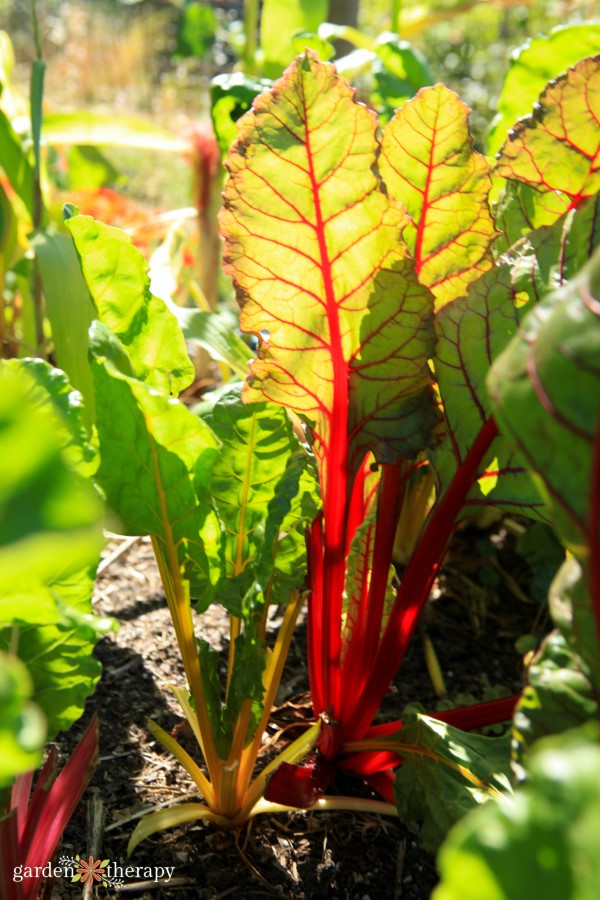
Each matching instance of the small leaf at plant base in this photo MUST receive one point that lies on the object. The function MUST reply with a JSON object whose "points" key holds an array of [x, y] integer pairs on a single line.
{"points": [[117, 277], [445, 773], [543, 842], [559, 695], [556, 149], [429, 166]]}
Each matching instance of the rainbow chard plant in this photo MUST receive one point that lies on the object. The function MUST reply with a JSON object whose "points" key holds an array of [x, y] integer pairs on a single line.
{"points": [[365, 268], [226, 496]]}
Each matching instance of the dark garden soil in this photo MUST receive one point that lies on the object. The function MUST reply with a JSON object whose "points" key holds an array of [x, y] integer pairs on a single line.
{"points": [[312, 855]]}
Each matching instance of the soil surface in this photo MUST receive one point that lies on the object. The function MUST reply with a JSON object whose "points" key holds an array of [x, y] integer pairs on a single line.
{"points": [[314, 855]]}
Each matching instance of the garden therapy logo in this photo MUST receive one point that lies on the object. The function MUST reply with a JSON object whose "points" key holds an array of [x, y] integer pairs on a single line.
{"points": [[110, 874], [90, 870]]}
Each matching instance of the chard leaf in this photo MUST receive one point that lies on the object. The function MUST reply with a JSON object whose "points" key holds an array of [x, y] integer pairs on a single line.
{"points": [[215, 332], [445, 773], [263, 496], [117, 277], [156, 461], [531, 68], [312, 246], [557, 148], [541, 843], [429, 166], [554, 423], [559, 695], [50, 538], [472, 331]]}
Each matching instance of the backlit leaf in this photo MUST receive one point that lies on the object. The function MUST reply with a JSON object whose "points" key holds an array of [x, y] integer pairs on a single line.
{"points": [[557, 148], [531, 68], [312, 245], [429, 166]]}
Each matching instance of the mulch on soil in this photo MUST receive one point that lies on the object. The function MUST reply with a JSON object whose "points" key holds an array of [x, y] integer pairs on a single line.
{"points": [[312, 855]]}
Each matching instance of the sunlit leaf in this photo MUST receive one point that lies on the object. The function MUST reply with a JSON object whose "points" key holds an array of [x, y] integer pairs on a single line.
{"points": [[445, 773], [429, 166], [117, 277], [541, 843], [533, 66], [105, 129], [557, 148], [312, 245], [70, 309], [280, 22], [156, 460]]}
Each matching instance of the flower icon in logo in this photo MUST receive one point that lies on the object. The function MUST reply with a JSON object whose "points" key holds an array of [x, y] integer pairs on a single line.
{"points": [[90, 871]]}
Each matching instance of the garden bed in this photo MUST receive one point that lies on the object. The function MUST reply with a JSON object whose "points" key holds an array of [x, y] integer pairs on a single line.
{"points": [[350, 854]]}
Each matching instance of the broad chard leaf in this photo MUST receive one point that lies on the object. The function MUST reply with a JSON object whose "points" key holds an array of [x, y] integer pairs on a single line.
{"points": [[264, 497], [311, 242], [117, 277], [533, 66], [156, 458], [429, 166]]}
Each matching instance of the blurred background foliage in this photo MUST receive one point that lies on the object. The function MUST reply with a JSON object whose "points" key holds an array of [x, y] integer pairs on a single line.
{"points": [[157, 56]]}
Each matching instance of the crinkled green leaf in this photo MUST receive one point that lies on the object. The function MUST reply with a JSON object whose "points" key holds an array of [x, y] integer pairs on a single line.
{"points": [[429, 166], [533, 66], [258, 490], [117, 277], [446, 772], [22, 723], [156, 461], [546, 392], [557, 148], [559, 695], [472, 331], [543, 842]]}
